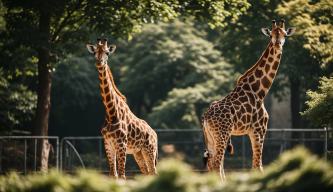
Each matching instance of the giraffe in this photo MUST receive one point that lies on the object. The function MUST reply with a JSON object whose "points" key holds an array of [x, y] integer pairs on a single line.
{"points": [[123, 132], [242, 112]]}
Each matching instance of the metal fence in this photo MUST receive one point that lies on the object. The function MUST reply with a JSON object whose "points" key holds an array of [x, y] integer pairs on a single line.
{"points": [[19, 153], [88, 152]]}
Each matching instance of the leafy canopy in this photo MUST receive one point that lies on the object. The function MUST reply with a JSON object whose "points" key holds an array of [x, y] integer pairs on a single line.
{"points": [[320, 103], [179, 71], [314, 22]]}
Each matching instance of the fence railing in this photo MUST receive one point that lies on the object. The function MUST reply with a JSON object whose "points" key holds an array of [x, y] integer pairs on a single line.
{"points": [[19, 153], [70, 153]]}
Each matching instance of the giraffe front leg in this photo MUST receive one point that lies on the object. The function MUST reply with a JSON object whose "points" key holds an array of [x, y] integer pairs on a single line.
{"points": [[257, 141], [110, 154], [121, 159]]}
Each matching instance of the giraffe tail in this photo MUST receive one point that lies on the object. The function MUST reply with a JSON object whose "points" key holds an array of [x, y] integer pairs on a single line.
{"points": [[230, 147]]}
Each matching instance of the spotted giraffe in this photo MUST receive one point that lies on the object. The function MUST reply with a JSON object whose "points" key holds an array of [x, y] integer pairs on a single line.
{"points": [[123, 132], [242, 112]]}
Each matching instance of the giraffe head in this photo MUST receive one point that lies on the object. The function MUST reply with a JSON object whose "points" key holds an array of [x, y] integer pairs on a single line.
{"points": [[101, 51], [278, 33]]}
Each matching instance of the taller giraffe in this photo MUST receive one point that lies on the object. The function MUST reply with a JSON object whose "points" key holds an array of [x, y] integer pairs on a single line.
{"points": [[123, 132], [242, 111]]}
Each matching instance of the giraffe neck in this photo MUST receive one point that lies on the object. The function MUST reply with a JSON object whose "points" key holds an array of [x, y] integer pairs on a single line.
{"points": [[112, 98], [259, 77]]}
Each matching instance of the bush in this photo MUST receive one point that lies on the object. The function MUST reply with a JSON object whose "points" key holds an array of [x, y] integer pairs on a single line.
{"points": [[296, 170]]}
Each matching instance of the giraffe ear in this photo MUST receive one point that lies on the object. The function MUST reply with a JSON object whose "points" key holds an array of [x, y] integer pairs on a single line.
{"points": [[112, 48], [91, 48], [266, 31], [290, 31]]}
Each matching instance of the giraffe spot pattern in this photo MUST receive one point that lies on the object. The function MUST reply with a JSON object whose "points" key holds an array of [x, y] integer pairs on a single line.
{"points": [[251, 79], [267, 67], [265, 82], [272, 75], [262, 63], [255, 86], [258, 73], [261, 94], [275, 65]]}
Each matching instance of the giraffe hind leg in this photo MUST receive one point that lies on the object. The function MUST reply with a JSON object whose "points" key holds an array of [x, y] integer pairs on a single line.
{"points": [[150, 158], [141, 162]]}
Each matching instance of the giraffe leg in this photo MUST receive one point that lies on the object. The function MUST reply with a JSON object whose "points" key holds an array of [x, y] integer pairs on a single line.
{"points": [[218, 159], [141, 162], [121, 159], [110, 154], [150, 158], [257, 141]]}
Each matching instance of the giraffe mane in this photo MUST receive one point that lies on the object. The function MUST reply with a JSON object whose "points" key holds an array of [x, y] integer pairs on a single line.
{"points": [[115, 87], [253, 67]]}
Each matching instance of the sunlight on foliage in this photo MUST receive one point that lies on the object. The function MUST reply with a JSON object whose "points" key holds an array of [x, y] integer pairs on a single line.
{"points": [[314, 23], [320, 103]]}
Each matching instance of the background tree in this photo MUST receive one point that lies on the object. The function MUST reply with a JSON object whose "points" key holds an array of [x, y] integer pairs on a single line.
{"points": [[171, 72], [320, 103]]}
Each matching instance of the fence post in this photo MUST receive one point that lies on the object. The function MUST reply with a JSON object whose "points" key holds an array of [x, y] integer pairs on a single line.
{"points": [[57, 153], [61, 151], [0, 157], [100, 153], [326, 142], [35, 154], [243, 152], [25, 156]]}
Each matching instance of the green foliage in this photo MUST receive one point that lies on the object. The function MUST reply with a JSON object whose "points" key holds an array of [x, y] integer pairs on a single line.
{"points": [[17, 104], [174, 175], [126, 18], [314, 23], [320, 103], [43, 33], [171, 72], [296, 170], [75, 89]]}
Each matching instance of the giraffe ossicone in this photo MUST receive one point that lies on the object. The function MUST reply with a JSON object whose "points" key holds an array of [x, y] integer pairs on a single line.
{"points": [[123, 132], [242, 112]]}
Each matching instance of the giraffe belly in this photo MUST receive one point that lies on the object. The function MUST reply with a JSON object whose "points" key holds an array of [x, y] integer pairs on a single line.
{"points": [[241, 129]]}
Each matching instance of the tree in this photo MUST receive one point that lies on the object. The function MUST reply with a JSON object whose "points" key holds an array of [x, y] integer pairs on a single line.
{"points": [[179, 71], [17, 103], [320, 103], [46, 27]]}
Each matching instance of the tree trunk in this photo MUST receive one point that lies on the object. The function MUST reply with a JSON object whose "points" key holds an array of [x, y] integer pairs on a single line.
{"points": [[44, 88], [295, 100]]}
